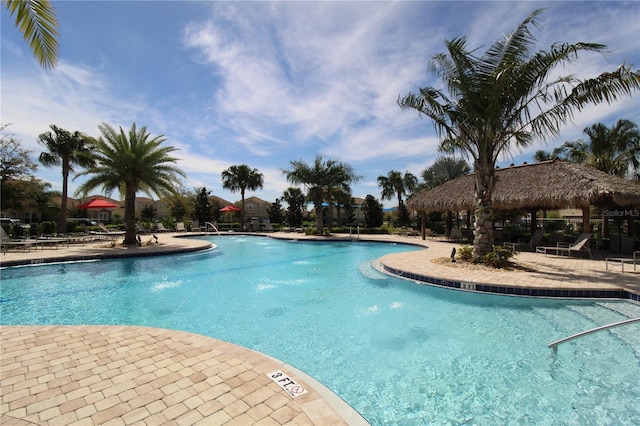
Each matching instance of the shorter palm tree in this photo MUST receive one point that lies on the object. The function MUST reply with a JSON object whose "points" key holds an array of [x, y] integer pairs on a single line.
{"points": [[322, 179], [395, 184], [65, 149], [612, 150], [131, 162], [240, 178]]}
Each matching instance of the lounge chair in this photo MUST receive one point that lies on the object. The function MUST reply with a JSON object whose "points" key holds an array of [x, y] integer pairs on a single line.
{"points": [[456, 235], [6, 242], [533, 242], [106, 231], [160, 227], [141, 229], [180, 227], [581, 245]]}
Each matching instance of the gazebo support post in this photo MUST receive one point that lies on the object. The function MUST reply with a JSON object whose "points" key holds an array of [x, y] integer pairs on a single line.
{"points": [[534, 221], [423, 223], [586, 225]]}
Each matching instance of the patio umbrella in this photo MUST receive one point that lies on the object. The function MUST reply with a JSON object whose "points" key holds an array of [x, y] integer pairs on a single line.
{"points": [[230, 209], [98, 203]]}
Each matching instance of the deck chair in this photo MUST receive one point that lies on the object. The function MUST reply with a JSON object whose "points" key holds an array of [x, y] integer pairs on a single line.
{"points": [[6, 242], [180, 227], [456, 235], [533, 242], [141, 229], [106, 231], [581, 245], [160, 227]]}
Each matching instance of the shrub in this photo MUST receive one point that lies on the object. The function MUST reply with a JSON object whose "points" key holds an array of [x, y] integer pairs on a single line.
{"points": [[497, 258]]}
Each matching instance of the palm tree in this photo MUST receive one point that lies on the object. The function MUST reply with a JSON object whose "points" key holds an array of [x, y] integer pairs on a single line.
{"points": [[321, 179], [441, 171], [132, 162], [240, 178], [508, 96], [612, 150], [395, 184], [65, 149], [37, 21]]}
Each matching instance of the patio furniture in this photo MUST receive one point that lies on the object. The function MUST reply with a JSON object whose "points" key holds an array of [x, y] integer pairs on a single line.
{"points": [[532, 243], [581, 245], [622, 260], [180, 227]]}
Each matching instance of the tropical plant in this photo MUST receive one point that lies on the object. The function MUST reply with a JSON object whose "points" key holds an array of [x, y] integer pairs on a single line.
{"points": [[396, 184], [296, 200], [275, 212], [612, 150], [130, 162], [507, 97], [240, 178], [321, 179], [36, 20], [66, 149]]}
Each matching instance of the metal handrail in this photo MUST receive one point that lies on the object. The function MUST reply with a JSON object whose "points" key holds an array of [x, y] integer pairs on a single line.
{"points": [[213, 226], [555, 344]]}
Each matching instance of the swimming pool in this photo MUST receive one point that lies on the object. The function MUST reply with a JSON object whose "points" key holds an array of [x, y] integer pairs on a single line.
{"points": [[398, 352]]}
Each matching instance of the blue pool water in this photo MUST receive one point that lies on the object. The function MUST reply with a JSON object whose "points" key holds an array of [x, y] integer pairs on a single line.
{"points": [[398, 352]]}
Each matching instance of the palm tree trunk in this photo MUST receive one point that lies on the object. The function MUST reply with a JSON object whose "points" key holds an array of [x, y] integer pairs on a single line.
{"points": [[318, 207], [242, 210], [483, 224], [62, 223], [130, 218]]}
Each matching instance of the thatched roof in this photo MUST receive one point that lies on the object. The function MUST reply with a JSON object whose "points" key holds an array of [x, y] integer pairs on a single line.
{"points": [[550, 184]]}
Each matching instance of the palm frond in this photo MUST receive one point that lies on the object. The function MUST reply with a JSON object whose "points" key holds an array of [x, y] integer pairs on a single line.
{"points": [[37, 21]]}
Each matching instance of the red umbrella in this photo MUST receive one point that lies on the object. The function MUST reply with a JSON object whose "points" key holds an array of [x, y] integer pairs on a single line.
{"points": [[98, 203], [230, 209]]}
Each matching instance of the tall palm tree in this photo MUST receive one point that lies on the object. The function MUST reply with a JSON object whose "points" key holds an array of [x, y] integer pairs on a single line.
{"points": [[65, 149], [395, 184], [613, 150], [36, 20], [130, 162], [321, 179], [240, 178], [507, 97]]}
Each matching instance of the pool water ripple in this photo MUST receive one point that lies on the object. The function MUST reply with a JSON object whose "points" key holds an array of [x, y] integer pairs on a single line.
{"points": [[397, 351]]}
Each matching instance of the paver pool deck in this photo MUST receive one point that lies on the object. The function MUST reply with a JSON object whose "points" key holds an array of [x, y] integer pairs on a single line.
{"points": [[117, 375]]}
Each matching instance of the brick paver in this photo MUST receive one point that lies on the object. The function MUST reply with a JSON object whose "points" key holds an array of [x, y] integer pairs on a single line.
{"points": [[121, 400]]}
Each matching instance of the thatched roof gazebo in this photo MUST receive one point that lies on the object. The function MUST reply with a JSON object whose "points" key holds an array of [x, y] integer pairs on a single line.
{"points": [[550, 184]]}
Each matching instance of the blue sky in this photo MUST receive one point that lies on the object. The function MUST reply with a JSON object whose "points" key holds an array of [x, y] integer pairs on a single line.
{"points": [[266, 83]]}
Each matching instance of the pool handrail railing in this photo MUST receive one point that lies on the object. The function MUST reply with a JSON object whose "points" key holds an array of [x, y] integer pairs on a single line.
{"points": [[555, 344]]}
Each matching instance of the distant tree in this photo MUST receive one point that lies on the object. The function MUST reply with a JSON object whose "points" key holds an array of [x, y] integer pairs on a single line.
{"points": [[15, 161], [296, 200], [397, 185], [373, 217], [36, 20], [322, 179], [240, 178], [275, 212], [442, 170], [65, 149], [131, 162], [202, 208], [509, 96], [613, 150], [148, 213]]}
